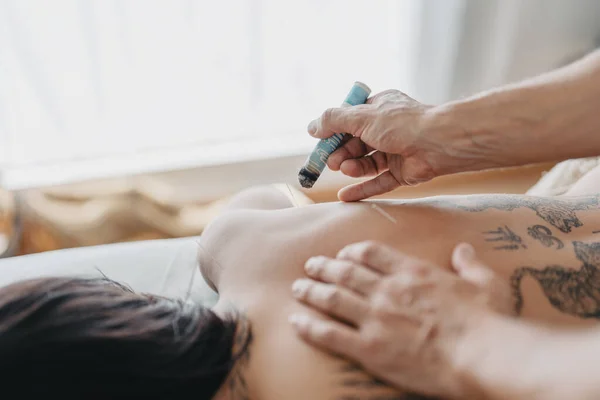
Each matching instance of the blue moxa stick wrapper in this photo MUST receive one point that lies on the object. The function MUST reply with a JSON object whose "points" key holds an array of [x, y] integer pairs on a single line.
{"points": [[317, 160]]}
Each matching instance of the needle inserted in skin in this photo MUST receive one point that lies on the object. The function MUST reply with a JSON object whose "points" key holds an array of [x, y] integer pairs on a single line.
{"points": [[294, 202], [384, 213]]}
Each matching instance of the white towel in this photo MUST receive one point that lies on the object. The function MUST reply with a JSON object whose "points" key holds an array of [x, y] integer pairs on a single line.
{"points": [[563, 176]]}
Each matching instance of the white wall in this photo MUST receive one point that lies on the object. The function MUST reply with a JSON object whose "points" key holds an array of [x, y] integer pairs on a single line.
{"points": [[508, 40], [438, 36]]}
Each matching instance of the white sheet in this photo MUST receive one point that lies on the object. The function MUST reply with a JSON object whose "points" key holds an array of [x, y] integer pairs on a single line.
{"points": [[163, 267]]}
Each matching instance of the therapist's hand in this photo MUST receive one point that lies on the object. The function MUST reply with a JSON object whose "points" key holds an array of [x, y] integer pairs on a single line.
{"points": [[404, 320], [395, 144]]}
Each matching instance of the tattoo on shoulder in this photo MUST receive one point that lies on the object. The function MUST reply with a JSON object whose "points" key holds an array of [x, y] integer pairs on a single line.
{"points": [[357, 385], [544, 235], [572, 291], [505, 238], [561, 213], [236, 382]]}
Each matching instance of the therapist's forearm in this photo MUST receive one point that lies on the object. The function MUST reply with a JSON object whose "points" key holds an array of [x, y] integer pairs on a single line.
{"points": [[508, 358], [552, 117], [567, 366]]}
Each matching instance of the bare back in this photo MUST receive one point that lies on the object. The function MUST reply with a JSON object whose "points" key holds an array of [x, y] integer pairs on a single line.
{"points": [[548, 248]]}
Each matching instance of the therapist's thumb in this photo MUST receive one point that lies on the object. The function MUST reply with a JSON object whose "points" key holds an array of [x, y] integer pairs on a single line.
{"points": [[351, 120], [468, 267]]}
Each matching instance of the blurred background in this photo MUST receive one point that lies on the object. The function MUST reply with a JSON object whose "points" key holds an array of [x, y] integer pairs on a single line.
{"points": [[126, 120]]}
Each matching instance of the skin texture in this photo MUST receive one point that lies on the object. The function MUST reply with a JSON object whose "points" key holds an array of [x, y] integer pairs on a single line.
{"points": [[399, 141], [255, 251]]}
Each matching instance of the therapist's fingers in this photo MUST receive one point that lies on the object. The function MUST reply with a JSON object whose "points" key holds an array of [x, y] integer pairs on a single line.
{"points": [[374, 255], [352, 148], [330, 336], [330, 299], [343, 273], [367, 166], [379, 185], [351, 120], [498, 291], [469, 267]]}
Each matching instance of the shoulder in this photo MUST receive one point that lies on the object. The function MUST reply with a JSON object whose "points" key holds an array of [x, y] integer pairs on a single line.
{"points": [[220, 239]]}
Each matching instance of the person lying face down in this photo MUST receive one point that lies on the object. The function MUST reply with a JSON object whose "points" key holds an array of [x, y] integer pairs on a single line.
{"points": [[96, 339]]}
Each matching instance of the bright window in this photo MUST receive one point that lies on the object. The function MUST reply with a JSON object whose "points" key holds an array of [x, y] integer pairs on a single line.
{"points": [[98, 88]]}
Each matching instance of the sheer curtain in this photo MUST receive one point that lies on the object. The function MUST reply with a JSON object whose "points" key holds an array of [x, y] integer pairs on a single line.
{"points": [[96, 88]]}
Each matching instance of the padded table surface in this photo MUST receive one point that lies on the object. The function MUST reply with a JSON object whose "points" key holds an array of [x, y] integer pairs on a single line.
{"points": [[163, 267]]}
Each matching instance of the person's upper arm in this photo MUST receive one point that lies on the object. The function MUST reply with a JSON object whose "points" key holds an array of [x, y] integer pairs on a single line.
{"points": [[269, 197], [216, 237], [223, 241]]}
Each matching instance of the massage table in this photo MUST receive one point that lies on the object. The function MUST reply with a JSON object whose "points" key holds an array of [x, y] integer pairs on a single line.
{"points": [[163, 267]]}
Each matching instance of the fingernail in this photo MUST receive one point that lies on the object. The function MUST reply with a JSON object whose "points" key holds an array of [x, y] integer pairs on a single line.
{"points": [[466, 251], [342, 253], [311, 265], [312, 128], [298, 320], [299, 287]]}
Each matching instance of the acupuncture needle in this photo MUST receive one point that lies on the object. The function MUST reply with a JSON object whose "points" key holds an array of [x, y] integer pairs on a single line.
{"points": [[385, 214], [294, 201]]}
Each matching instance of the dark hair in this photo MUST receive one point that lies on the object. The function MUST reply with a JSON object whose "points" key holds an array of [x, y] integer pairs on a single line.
{"points": [[96, 339]]}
